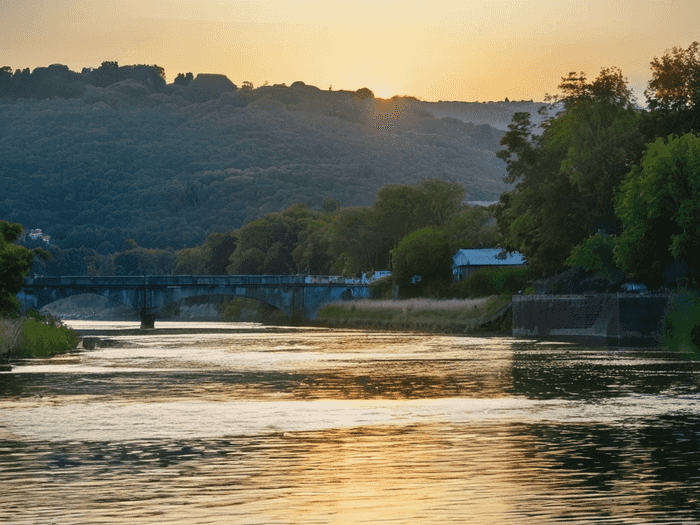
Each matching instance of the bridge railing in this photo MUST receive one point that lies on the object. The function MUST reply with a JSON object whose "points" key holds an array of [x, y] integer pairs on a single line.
{"points": [[187, 280]]}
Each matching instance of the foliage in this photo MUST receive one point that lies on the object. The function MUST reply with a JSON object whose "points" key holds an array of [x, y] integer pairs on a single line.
{"points": [[426, 253], [15, 262], [683, 324], [595, 254], [133, 260], [402, 209], [44, 336], [659, 207], [674, 93], [472, 227], [183, 79], [492, 281], [567, 175]]}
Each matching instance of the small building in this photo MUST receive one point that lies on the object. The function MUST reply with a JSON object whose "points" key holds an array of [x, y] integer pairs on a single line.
{"points": [[466, 262], [38, 234]]}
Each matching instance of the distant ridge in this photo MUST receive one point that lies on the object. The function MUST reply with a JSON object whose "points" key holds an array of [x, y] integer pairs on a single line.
{"points": [[168, 164]]}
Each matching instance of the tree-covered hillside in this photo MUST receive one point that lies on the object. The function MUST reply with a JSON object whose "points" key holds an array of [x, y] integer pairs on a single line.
{"points": [[94, 163]]}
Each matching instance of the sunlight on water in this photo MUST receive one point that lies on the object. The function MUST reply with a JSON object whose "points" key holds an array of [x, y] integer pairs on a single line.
{"points": [[241, 423]]}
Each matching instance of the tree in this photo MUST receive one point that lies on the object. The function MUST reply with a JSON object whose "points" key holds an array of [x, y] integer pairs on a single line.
{"points": [[265, 246], [472, 228], [675, 82], [184, 80], [595, 254], [659, 207], [15, 262], [567, 175], [330, 205], [674, 93], [356, 244], [364, 93], [425, 253], [402, 208]]}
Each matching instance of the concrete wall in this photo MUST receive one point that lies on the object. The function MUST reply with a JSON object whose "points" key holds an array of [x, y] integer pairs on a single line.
{"points": [[615, 319]]}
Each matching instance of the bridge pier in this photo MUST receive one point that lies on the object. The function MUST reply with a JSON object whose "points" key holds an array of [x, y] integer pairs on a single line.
{"points": [[148, 321]]}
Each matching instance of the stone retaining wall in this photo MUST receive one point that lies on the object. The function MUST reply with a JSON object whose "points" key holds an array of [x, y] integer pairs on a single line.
{"points": [[615, 319]]}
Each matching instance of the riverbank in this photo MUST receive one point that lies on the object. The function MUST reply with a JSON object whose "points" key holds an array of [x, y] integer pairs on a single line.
{"points": [[452, 316]]}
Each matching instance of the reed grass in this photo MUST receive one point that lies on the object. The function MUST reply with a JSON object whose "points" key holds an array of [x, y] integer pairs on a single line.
{"points": [[10, 337], [430, 315]]}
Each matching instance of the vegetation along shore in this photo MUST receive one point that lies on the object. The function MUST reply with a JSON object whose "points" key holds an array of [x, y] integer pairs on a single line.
{"points": [[458, 316]]}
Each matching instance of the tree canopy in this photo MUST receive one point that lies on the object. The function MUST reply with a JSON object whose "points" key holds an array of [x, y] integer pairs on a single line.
{"points": [[659, 206], [566, 175]]}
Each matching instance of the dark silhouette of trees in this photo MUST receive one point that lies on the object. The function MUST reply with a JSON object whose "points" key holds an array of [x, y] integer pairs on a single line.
{"points": [[364, 93], [183, 79], [567, 175], [674, 93]]}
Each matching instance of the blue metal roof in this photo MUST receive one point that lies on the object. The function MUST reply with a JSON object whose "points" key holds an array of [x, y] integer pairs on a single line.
{"points": [[486, 257]]}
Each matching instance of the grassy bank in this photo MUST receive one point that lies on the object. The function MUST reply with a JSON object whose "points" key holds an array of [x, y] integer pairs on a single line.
{"points": [[35, 336], [426, 315]]}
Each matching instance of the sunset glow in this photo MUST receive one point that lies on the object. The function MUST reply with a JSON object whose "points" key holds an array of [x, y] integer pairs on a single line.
{"points": [[443, 50]]}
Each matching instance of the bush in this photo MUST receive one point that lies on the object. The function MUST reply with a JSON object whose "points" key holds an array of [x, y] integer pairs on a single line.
{"points": [[594, 255], [683, 324], [44, 336], [491, 281]]}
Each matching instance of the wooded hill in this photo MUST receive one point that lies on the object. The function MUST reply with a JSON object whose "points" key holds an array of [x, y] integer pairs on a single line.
{"points": [[105, 155]]}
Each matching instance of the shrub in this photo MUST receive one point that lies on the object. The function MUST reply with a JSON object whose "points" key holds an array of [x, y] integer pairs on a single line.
{"points": [[44, 336], [491, 281], [683, 324], [595, 254]]}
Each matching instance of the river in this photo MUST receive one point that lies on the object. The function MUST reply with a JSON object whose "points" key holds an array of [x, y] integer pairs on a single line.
{"points": [[241, 423]]}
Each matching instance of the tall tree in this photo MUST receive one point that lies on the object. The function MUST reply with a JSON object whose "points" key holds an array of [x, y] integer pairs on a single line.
{"points": [[425, 253], [402, 208], [566, 175], [674, 93], [659, 206]]}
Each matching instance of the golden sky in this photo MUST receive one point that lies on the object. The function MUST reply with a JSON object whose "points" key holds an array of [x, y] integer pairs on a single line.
{"points": [[434, 50]]}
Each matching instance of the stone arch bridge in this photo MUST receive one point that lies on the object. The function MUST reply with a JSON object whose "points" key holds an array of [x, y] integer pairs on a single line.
{"points": [[298, 296]]}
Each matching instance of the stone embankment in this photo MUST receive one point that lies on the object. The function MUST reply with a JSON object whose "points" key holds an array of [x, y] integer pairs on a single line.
{"points": [[614, 319]]}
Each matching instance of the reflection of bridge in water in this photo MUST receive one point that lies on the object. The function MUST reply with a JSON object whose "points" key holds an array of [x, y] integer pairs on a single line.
{"points": [[298, 296]]}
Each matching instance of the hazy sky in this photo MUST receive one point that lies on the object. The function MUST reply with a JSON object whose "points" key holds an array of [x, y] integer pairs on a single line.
{"points": [[434, 50]]}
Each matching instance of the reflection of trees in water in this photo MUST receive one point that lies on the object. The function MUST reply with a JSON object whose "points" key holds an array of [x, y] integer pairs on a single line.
{"points": [[570, 371]]}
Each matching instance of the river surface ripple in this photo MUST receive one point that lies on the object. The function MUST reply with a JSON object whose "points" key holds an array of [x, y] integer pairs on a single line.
{"points": [[241, 423]]}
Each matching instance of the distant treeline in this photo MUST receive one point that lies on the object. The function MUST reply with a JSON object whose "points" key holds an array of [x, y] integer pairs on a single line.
{"points": [[337, 240], [59, 81]]}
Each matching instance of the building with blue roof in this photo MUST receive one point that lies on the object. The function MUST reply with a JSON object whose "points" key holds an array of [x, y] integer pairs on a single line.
{"points": [[466, 262]]}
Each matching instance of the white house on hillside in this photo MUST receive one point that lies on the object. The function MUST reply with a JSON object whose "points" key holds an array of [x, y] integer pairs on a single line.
{"points": [[466, 262]]}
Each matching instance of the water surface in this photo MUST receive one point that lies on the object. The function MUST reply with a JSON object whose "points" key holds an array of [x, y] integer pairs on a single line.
{"points": [[240, 423]]}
